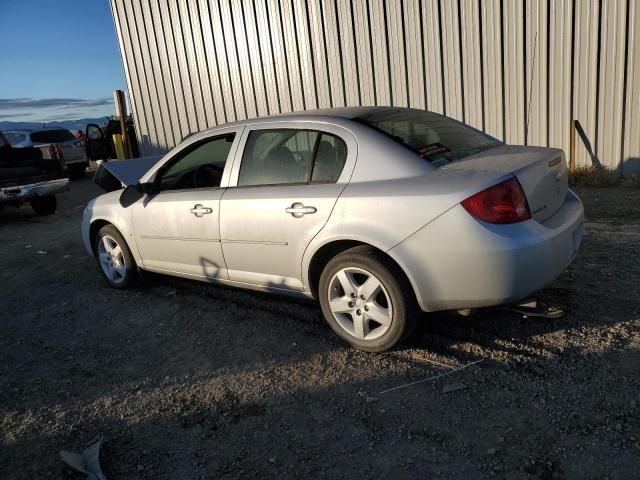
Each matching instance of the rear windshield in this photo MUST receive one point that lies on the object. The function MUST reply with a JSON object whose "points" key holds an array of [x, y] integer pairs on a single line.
{"points": [[15, 138], [436, 138], [52, 136]]}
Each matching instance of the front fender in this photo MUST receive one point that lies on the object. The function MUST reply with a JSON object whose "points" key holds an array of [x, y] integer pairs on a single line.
{"points": [[107, 208]]}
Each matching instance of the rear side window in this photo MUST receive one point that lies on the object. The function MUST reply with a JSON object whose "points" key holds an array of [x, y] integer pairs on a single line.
{"points": [[15, 138], [290, 156], [52, 136], [436, 138], [331, 154]]}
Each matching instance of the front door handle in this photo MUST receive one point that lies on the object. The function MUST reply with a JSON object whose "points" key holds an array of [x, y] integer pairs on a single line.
{"points": [[198, 210], [297, 210]]}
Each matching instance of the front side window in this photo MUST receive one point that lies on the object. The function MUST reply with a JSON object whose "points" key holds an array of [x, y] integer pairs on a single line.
{"points": [[289, 156], [436, 138], [200, 166]]}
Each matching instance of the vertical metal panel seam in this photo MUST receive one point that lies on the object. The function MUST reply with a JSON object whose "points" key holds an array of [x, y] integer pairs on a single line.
{"points": [[373, 73], [161, 96], [548, 112], [188, 73], [175, 55], [442, 77], [199, 77], [624, 88], [273, 57], [235, 48], [597, 105], [504, 98], [573, 53], [404, 51], [313, 61], [246, 36], [344, 88], [524, 69], [326, 57], [215, 53], [227, 63], [355, 51], [386, 40], [460, 53], [286, 57], [171, 92], [206, 60], [481, 50], [422, 54]]}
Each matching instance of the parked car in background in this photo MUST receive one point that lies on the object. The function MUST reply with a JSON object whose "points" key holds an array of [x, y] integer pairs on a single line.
{"points": [[29, 175], [73, 150], [370, 210]]}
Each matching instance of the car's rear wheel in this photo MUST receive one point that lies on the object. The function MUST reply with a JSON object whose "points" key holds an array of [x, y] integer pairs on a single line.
{"points": [[44, 205], [365, 300], [114, 257]]}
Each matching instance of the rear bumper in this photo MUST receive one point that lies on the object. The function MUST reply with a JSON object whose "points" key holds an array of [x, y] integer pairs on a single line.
{"points": [[458, 262], [40, 189]]}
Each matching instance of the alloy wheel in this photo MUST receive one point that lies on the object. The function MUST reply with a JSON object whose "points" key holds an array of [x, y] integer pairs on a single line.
{"points": [[360, 303], [112, 259]]}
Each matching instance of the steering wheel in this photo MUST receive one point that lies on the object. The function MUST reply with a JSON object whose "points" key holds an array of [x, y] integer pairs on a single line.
{"points": [[207, 176]]}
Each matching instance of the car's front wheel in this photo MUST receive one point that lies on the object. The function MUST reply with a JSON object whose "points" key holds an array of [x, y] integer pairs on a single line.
{"points": [[364, 299], [114, 257]]}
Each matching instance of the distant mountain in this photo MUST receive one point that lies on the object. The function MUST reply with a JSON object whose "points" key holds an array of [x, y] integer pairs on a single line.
{"points": [[73, 125]]}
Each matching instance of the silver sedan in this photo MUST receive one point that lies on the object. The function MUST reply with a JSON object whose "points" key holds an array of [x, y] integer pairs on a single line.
{"points": [[376, 212]]}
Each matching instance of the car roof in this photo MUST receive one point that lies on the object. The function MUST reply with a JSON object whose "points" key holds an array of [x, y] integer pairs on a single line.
{"points": [[319, 114], [30, 130]]}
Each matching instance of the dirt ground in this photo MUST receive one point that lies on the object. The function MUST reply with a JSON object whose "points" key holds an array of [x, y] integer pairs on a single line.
{"points": [[189, 381]]}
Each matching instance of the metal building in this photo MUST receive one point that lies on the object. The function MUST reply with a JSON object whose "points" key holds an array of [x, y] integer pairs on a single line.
{"points": [[519, 69]]}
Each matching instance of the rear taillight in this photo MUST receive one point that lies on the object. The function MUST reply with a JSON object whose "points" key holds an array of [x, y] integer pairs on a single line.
{"points": [[502, 203]]}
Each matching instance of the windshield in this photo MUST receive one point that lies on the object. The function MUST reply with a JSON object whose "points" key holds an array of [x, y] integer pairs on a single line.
{"points": [[436, 138]]}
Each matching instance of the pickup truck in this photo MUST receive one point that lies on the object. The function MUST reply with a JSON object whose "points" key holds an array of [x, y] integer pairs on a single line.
{"points": [[29, 175]]}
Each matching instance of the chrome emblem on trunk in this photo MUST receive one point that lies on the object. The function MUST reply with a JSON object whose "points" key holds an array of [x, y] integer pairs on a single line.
{"points": [[554, 162]]}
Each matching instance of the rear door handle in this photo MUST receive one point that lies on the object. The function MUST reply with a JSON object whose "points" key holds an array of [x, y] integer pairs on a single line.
{"points": [[297, 210], [198, 210]]}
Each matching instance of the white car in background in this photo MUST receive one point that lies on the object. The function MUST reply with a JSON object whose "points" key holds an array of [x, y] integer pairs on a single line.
{"points": [[73, 150]]}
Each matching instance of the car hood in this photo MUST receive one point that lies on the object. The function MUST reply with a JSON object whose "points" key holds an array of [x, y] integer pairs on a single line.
{"points": [[116, 174]]}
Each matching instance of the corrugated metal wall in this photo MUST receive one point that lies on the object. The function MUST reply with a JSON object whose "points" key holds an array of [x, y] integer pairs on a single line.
{"points": [[518, 69]]}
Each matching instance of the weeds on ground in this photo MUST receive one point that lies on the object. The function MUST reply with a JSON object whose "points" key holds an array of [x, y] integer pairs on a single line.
{"points": [[594, 177]]}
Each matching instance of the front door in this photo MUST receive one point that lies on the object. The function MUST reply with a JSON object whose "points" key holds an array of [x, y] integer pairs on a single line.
{"points": [[286, 189], [177, 228], [97, 145]]}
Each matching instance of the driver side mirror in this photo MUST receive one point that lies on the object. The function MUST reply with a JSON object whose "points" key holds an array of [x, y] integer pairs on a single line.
{"points": [[133, 193]]}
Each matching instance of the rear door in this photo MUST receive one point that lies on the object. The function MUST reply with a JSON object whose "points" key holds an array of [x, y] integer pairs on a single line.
{"points": [[285, 186]]}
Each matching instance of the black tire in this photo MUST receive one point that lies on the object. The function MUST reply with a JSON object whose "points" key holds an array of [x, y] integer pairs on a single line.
{"points": [[130, 275], [44, 205], [77, 172], [397, 289]]}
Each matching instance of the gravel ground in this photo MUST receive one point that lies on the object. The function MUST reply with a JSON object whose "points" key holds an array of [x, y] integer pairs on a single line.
{"points": [[186, 380]]}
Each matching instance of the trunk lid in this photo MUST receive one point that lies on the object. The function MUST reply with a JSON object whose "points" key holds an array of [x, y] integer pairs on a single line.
{"points": [[542, 173]]}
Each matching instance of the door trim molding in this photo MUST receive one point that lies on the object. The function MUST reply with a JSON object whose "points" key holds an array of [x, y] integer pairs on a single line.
{"points": [[184, 239]]}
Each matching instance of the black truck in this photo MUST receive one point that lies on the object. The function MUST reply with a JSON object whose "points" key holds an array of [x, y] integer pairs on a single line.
{"points": [[31, 175]]}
